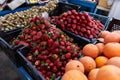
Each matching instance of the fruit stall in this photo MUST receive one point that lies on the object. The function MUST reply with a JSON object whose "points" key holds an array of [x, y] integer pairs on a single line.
{"points": [[61, 40]]}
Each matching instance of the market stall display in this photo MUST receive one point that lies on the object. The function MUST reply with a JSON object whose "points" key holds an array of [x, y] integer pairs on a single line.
{"points": [[57, 41]]}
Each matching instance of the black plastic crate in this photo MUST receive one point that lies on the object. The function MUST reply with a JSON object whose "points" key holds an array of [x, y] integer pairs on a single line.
{"points": [[21, 60], [82, 40], [5, 39], [114, 25], [63, 7]]}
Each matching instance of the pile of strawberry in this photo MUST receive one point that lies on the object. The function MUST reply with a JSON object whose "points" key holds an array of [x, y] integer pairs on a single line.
{"points": [[50, 48], [79, 23]]}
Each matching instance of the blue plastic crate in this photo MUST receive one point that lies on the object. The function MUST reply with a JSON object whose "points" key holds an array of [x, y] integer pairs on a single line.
{"points": [[85, 5], [24, 73]]}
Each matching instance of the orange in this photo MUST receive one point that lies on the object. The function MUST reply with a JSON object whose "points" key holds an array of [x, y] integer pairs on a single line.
{"points": [[92, 74], [117, 31], [90, 50], [108, 72], [100, 47], [88, 63], [112, 37], [101, 61], [111, 50], [114, 61], [74, 75], [104, 33], [74, 64]]}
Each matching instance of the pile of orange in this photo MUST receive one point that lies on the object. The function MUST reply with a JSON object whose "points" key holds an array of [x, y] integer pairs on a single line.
{"points": [[101, 61]]}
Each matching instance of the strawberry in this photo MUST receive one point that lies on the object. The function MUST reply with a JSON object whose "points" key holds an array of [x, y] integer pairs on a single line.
{"points": [[72, 16], [77, 17], [56, 51], [47, 24], [45, 37], [82, 17], [69, 12], [73, 11], [44, 57], [37, 62], [50, 42], [48, 61], [83, 30], [34, 28], [59, 64], [26, 31], [39, 56], [39, 34], [78, 28], [23, 43], [51, 64], [74, 26], [65, 22], [54, 56], [65, 14], [74, 21], [34, 38], [55, 44], [54, 69], [59, 74], [29, 57], [33, 33], [36, 52], [21, 37], [41, 26], [69, 20], [68, 55]]}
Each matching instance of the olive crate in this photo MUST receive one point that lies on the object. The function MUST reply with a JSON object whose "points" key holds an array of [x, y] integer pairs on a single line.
{"points": [[114, 25]]}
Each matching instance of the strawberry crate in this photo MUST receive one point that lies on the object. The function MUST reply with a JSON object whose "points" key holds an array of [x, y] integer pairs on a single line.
{"points": [[21, 59], [114, 25], [11, 52], [82, 40], [5, 38], [85, 5]]}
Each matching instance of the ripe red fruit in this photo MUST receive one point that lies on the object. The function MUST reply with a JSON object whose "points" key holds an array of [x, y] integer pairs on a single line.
{"points": [[39, 34], [42, 26], [74, 26], [68, 55], [33, 33], [50, 42], [69, 12], [74, 21], [21, 37], [51, 64], [47, 24], [72, 16], [37, 62], [29, 57], [78, 28], [82, 17], [54, 69], [83, 30], [34, 28], [23, 43], [55, 44]]}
